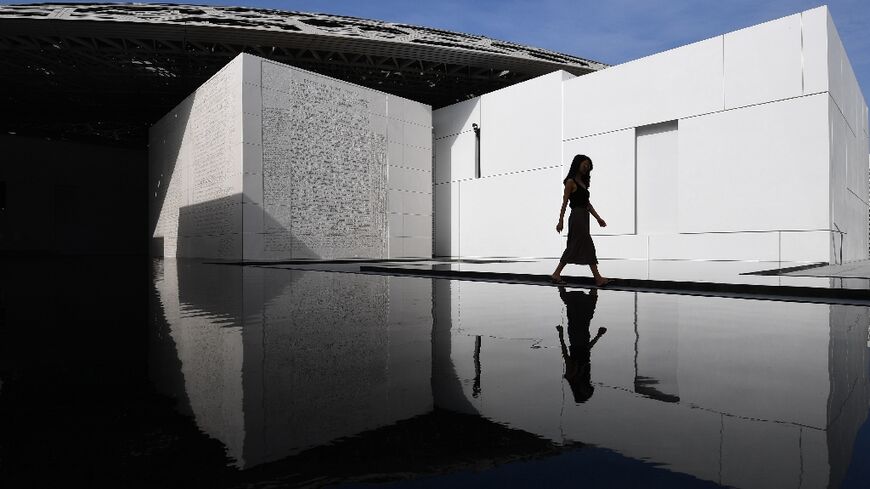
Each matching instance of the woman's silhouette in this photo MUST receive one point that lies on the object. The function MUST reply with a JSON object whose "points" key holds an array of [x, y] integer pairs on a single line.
{"points": [[581, 308], [580, 248]]}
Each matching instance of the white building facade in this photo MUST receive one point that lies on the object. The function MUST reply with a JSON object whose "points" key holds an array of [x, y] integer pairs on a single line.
{"points": [[747, 146], [751, 146]]}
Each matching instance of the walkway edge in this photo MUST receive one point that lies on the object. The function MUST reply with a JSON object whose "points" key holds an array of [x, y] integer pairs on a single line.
{"points": [[780, 292]]}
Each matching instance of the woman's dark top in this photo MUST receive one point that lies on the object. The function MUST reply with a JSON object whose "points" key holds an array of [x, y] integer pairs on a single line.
{"points": [[579, 197]]}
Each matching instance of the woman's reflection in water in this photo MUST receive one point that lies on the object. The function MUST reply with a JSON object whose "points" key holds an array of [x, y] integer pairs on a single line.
{"points": [[581, 308]]}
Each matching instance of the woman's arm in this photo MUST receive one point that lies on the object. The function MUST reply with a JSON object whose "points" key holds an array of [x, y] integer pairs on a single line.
{"points": [[567, 193], [596, 216], [601, 332]]}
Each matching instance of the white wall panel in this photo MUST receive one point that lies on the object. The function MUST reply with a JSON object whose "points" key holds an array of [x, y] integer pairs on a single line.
{"points": [[395, 153], [252, 70], [253, 247], [396, 108], [511, 143], [858, 180], [657, 170], [409, 157], [396, 247], [455, 157], [447, 219], [628, 246], [395, 130], [410, 226], [252, 128], [416, 203], [252, 166], [407, 179], [843, 84], [840, 135], [456, 118], [417, 226], [814, 25], [848, 188], [417, 113], [763, 62], [678, 83], [417, 247], [809, 247], [409, 111], [418, 136], [414, 206], [417, 158], [252, 99], [395, 201], [727, 246], [395, 224], [741, 170], [612, 191], [511, 215], [252, 218]]}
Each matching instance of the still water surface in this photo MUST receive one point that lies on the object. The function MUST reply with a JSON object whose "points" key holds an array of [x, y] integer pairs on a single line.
{"points": [[496, 384]]}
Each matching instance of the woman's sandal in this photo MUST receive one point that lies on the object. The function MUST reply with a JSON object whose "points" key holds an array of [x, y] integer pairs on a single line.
{"points": [[557, 281]]}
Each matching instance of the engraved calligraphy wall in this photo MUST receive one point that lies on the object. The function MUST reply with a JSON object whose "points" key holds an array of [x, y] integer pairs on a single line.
{"points": [[339, 164], [266, 161]]}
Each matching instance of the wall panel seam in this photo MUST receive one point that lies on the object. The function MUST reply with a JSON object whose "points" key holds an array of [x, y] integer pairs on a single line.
{"points": [[840, 111], [452, 135], [703, 114]]}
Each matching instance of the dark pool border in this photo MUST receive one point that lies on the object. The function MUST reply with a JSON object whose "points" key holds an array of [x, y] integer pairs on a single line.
{"points": [[750, 291], [784, 271], [346, 261]]}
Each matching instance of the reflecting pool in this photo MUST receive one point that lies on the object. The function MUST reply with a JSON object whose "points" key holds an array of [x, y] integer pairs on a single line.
{"points": [[174, 373], [275, 363]]}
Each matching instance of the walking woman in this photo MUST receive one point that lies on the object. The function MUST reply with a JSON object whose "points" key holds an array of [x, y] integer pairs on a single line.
{"points": [[580, 249]]}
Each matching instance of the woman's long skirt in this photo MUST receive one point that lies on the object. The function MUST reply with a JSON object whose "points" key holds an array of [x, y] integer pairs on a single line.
{"points": [[580, 249]]}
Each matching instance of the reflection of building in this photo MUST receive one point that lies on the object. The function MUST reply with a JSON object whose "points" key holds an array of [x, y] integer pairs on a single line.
{"points": [[272, 362], [743, 393]]}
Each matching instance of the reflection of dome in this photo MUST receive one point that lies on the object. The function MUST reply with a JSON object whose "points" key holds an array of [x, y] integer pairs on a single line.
{"points": [[106, 71]]}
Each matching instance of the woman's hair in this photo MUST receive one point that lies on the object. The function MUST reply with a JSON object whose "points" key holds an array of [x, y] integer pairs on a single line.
{"points": [[575, 169]]}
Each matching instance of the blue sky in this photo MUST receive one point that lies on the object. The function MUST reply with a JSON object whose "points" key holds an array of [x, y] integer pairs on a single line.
{"points": [[612, 31]]}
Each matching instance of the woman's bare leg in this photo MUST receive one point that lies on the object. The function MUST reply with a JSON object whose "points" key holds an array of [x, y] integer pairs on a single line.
{"points": [[557, 275], [599, 280]]}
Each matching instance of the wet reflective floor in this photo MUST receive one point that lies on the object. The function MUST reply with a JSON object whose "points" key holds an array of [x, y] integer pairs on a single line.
{"points": [[168, 373]]}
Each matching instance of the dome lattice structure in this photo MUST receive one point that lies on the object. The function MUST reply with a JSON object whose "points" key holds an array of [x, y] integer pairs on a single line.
{"points": [[106, 71]]}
